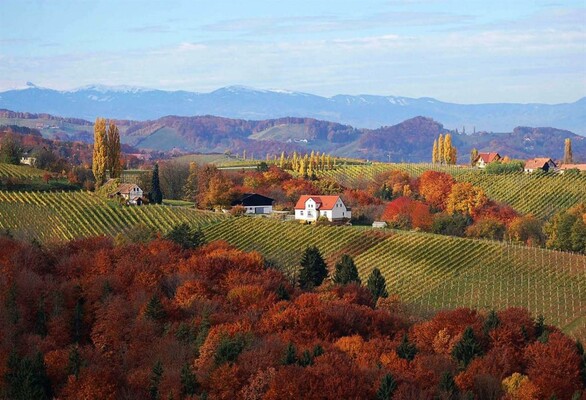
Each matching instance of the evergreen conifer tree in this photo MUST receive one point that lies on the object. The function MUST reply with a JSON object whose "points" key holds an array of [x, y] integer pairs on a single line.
{"points": [[154, 309], [387, 387], [447, 386], [377, 285], [290, 356], [156, 194], [155, 381], [188, 381], [492, 321], [346, 271], [313, 268], [467, 348], [406, 350]]}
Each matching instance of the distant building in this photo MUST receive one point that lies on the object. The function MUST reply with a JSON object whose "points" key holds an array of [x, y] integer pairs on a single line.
{"points": [[27, 158], [129, 191], [544, 164], [312, 207], [484, 159], [379, 224], [255, 203], [566, 167]]}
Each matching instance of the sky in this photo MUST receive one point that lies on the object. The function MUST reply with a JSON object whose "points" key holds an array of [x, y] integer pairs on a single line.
{"points": [[466, 51]]}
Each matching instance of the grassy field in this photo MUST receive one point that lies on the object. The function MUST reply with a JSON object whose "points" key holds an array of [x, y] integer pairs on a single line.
{"points": [[49, 217], [540, 194], [218, 159], [431, 271]]}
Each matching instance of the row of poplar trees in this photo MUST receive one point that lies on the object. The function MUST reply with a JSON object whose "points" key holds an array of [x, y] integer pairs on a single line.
{"points": [[443, 151], [106, 159]]}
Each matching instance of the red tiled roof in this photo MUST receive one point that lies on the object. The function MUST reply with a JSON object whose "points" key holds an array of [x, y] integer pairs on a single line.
{"points": [[535, 163], [581, 167], [126, 187], [322, 202], [488, 157]]}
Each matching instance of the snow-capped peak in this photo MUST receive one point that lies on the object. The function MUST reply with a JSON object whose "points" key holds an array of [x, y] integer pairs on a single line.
{"points": [[107, 89]]}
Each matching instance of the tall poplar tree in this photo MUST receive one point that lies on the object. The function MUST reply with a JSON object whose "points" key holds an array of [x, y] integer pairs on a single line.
{"points": [[113, 142], [100, 157], [191, 187], [568, 157], [440, 149], [473, 156], [447, 152]]}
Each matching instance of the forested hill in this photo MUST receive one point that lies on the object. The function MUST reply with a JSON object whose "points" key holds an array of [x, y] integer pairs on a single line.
{"points": [[410, 140]]}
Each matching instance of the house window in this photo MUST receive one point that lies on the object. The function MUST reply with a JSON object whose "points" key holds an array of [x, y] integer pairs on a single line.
{"points": [[301, 212]]}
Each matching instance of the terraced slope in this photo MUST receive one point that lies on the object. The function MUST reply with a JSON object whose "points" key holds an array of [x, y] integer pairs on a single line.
{"points": [[62, 216], [540, 194], [432, 271]]}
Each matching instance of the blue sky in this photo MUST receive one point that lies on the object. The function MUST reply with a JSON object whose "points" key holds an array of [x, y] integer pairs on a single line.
{"points": [[460, 51]]}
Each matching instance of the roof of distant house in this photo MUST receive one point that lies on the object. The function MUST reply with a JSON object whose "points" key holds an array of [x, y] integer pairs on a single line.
{"points": [[126, 187], [253, 199], [488, 157], [581, 167], [322, 202], [535, 163]]}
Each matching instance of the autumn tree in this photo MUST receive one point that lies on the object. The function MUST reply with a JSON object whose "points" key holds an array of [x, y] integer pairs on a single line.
{"points": [[100, 156], [473, 156], [465, 199], [190, 189], [449, 155], [377, 285], [113, 142], [10, 150], [435, 187], [568, 157], [440, 149], [156, 193], [346, 271], [313, 268]]}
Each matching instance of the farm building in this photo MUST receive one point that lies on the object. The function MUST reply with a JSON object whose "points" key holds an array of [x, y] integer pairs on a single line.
{"points": [[255, 203], [129, 191], [566, 167], [544, 164], [312, 207], [484, 159]]}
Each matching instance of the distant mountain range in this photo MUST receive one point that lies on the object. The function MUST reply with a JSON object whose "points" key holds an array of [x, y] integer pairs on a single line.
{"points": [[364, 111], [409, 141]]}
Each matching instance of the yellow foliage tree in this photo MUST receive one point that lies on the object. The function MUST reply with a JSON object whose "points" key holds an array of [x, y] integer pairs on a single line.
{"points": [[113, 142], [447, 151], [466, 199], [440, 149], [434, 152], [100, 155]]}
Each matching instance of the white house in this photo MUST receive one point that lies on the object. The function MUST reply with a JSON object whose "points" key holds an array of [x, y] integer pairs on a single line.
{"points": [[484, 159], [129, 191], [545, 164], [255, 203], [311, 208]]}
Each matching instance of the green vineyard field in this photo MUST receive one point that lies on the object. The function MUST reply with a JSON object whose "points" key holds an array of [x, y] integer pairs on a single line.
{"points": [[19, 171], [542, 195], [432, 271], [59, 216]]}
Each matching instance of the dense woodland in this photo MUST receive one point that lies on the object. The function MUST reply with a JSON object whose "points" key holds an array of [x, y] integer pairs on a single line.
{"points": [[159, 320]]}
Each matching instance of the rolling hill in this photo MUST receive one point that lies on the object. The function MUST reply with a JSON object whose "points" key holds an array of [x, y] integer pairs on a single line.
{"points": [[408, 141]]}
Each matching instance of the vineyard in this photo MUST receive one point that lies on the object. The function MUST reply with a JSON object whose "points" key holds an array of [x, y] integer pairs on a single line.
{"points": [[19, 171], [540, 194], [50, 217], [432, 271]]}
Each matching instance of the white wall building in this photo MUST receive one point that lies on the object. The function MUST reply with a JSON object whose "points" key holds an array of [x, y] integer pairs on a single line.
{"points": [[311, 208]]}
